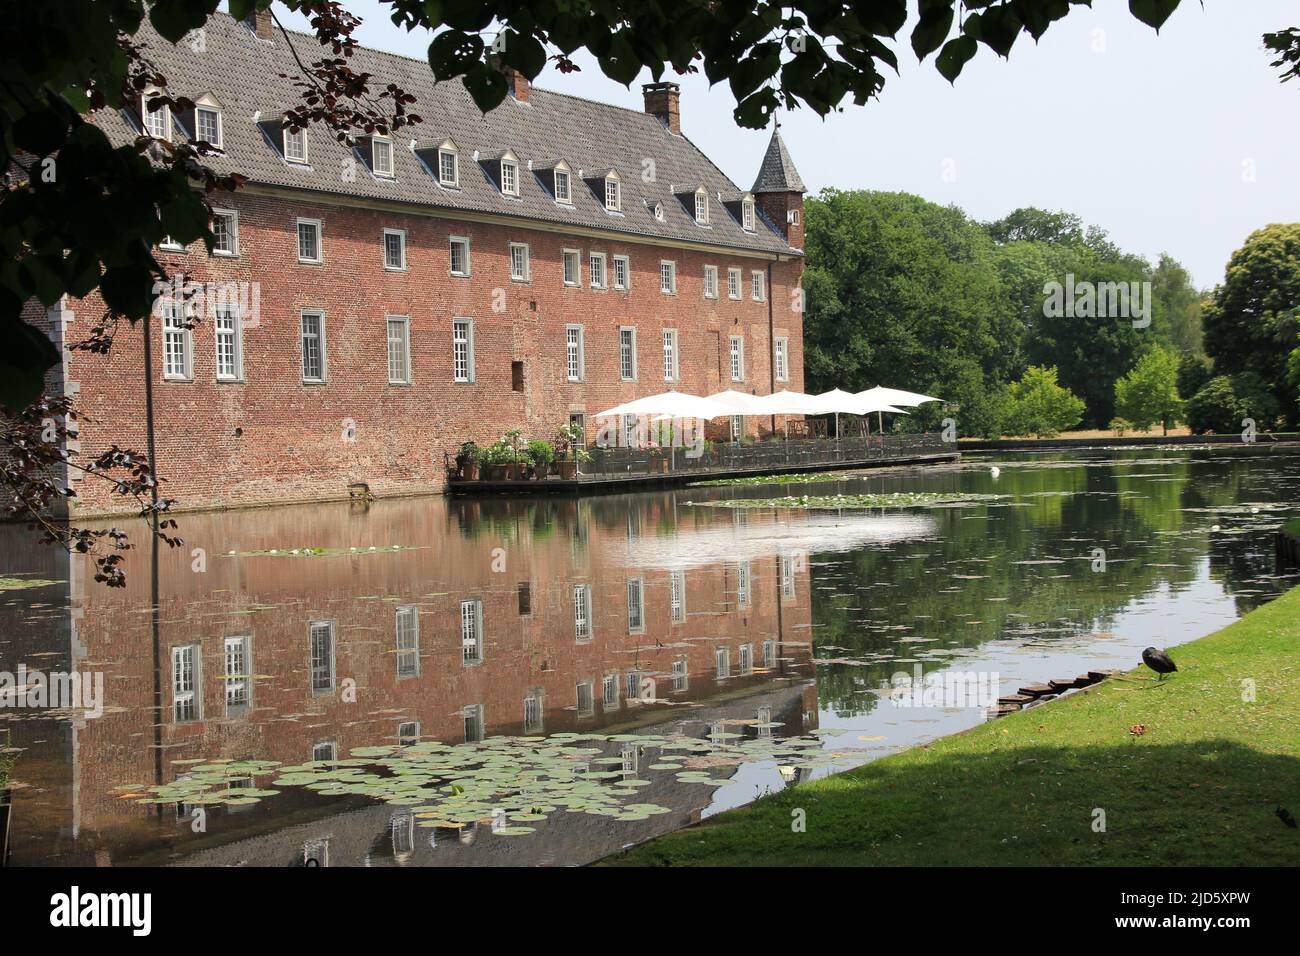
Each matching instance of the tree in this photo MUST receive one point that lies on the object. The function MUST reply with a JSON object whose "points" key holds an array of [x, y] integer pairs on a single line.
{"points": [[900, 291], [1149, 393], [1175, 307], [1029, 224], [1252, 319], [1037, 405], [1224, 403], [1193, 373]]}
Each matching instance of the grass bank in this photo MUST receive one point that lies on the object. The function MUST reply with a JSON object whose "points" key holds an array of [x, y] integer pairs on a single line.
{"points": [[1201, 785]]}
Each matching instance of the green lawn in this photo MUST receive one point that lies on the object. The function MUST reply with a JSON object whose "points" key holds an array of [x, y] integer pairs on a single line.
{"points": [[1201, 786]]}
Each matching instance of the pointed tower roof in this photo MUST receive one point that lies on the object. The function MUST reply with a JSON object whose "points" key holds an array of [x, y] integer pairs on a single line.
{"points": [[777, 174]]}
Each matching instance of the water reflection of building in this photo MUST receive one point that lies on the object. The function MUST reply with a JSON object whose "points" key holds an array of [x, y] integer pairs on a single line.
{"points": [[514, 618]]}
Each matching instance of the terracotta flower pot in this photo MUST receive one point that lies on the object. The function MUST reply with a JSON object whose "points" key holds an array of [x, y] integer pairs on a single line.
{"points": [[568, 470]]}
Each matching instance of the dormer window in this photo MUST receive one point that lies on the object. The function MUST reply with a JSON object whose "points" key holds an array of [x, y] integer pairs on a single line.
{"points": [[747, 215], [509, 177], [448, 165], [157, 123], [613, 193], [702, 207], [207, 125], [295, 145], [381, 155], [562, 192]]}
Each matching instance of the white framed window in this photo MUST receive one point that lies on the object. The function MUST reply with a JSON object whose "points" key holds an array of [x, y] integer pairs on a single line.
{"points": [[659, 212], [622, 273], [309, 241], [702, 208], [744, 592], [722, 662], [747, 215], [519, 264], [395, 249], [313, 346], [295, 145], [399, 350], [473, 717], [627, 354], [562, 191], [737, 428], [448, 167], [613, 194], [462, 350], [321, 654], [407, 634], [225, 229], [677, 596], [509, 178], [668, 277], [157, 123], [671, 364], [471, 631], [381, 155], [737, 359], [585, 698], [169, 243], [635, 606], [460, 265], [582, 613], [733, 283], [228, 331], [596, 269], [757, 289], [572, 267], [781, 359], [178, 341], [574, 360], [207, 125], [187, 702], [681, 674], [710, 282], [792, 217], [609, 691], [237, 675], [632, 439], [746, 655]]}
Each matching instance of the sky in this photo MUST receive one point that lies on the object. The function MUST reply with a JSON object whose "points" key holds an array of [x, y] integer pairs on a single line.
{"points": [[1183, 142]]}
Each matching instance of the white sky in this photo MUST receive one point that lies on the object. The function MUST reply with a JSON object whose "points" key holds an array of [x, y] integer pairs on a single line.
{"points": [[1181, 143]]}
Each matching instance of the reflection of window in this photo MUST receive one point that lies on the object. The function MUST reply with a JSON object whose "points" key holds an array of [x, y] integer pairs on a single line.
{"points": [[316, 853], [609, 690], [746, 659], [533, 713], [408, 733], [473, 716], [743, 596], [238, 675], [586, 705], [402, 827], [629, 755], [787, 575], [633, 685], [326, 750], [635, 606], [769, 654], [764, 716], [471, 631], [681, 675], [185, 682], [677, 595], [408, 642], [322, 657], [582, 612], [722, 662]]}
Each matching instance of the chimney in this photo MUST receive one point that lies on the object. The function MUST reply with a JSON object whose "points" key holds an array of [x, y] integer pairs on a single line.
{"points": [[260, 22], [663, 100], [516, 82]]}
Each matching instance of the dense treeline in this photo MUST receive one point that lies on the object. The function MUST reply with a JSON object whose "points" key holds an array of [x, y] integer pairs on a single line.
{"points": [[1036, 323]]}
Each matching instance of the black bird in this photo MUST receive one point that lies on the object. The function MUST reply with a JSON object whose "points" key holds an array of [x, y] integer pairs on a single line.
{"points": [[1284, 815], [1159, 661]]}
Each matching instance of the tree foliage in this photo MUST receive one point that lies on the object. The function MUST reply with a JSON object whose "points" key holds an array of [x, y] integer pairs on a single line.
{"points": [[1037, 405], [1225, 402], [1149, 393]]}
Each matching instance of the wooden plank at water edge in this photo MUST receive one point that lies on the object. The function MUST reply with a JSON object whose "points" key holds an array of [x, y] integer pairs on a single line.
{"points": [[1037, 690], [1015, 699], [1063, 683]]}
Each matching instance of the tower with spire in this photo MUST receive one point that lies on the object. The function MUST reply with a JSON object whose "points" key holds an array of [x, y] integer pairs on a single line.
{"points": [[778, 190]]}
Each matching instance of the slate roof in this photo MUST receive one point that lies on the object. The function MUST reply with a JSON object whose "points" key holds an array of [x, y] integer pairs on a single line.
{"points": [[243, 73], [777, 174]]}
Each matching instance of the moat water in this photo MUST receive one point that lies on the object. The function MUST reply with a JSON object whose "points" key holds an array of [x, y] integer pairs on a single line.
{"points": [[478, 682]]}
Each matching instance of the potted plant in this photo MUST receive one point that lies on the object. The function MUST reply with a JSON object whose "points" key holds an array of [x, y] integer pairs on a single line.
{"points": [[542, 454], [496, 461], [658, 463], [569, 451], [467, 460], [515, 459]]}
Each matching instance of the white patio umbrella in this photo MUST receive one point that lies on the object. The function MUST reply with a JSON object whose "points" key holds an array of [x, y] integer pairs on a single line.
{"points": [[742, 402], [786, 402], [670, 404], [837, 400], [895, 396]]}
